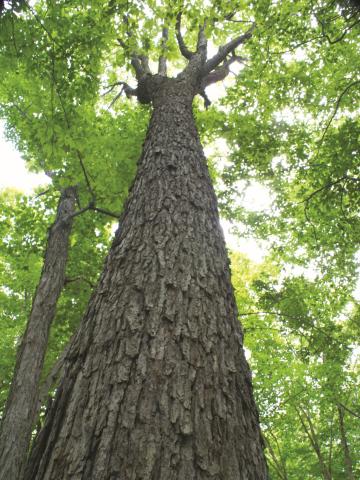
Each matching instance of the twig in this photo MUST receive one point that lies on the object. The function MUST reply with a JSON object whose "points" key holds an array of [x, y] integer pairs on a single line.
{"points": [[343, 93], [77, 279]]}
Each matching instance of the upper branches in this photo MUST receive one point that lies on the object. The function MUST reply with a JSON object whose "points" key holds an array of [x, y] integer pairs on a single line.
{"points": [[140, 63], [226, 50], [222, 71], [183, 48], [202, 71], [217, 67]]}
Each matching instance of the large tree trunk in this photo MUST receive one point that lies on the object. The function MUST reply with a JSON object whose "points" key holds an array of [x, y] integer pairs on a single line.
{"points": [[22, 403], [157, 385]]}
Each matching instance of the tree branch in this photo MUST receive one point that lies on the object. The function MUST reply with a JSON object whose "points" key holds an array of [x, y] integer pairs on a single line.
{"points": [[207, 101], [338, 39], [221, 72], [202, 41], [92, 206], [129, 91], [125, 88], [293, 317], [78, 153], [105, 212], [277, 464], [328, 186], [144, 61], [344, 92], [92, 192], [162, 70], [134, 60], [225, 50], [183, 48], [312, 436], [357, 415], [140, 63], [115, 98], [77, 279]]}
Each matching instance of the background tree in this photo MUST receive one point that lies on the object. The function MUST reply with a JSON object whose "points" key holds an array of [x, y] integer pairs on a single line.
{"points": [[23, 399]]}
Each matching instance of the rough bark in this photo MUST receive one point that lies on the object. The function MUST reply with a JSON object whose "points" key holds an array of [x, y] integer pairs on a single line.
{"points": [[345, 445], [157, 385], [22, 403]]}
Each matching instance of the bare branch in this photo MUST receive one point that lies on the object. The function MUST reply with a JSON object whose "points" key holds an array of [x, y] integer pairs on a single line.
{"points": [[115, 99], [162, 59], [129, 91], [225, 50], [183, 48], [86, 176], [42, 193], [77, 279], [125, 88], [106, 212], [76, 214], [136, 64], [221, 72], [111, 88], [207, 101], [93, 207], [202, 41]]}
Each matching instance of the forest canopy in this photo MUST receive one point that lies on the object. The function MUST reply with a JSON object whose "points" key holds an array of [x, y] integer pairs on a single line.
{"points": [[285, 119]]}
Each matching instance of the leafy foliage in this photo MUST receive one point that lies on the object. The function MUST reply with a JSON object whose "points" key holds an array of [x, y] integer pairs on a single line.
{"points": [[290, 119]]}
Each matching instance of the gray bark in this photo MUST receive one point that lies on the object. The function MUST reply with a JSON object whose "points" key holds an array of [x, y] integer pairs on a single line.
{"points": [[22, 403], [157, 385]]}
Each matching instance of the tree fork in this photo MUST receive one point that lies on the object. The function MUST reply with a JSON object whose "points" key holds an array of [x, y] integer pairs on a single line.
{"points": [[22, 403]]}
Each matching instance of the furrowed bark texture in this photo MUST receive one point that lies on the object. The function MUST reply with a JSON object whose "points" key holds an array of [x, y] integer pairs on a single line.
{"points": [[157, 385], [22, 403]]}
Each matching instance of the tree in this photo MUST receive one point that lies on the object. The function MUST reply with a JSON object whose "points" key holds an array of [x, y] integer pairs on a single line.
{"points": [[22, 403], [302, 333], [157, 384]]}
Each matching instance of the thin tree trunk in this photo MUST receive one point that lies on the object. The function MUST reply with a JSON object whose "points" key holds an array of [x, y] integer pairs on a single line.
{"points": [[310, 432], [277, 464], [157, 385], [344, 443], [22, 403]]}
